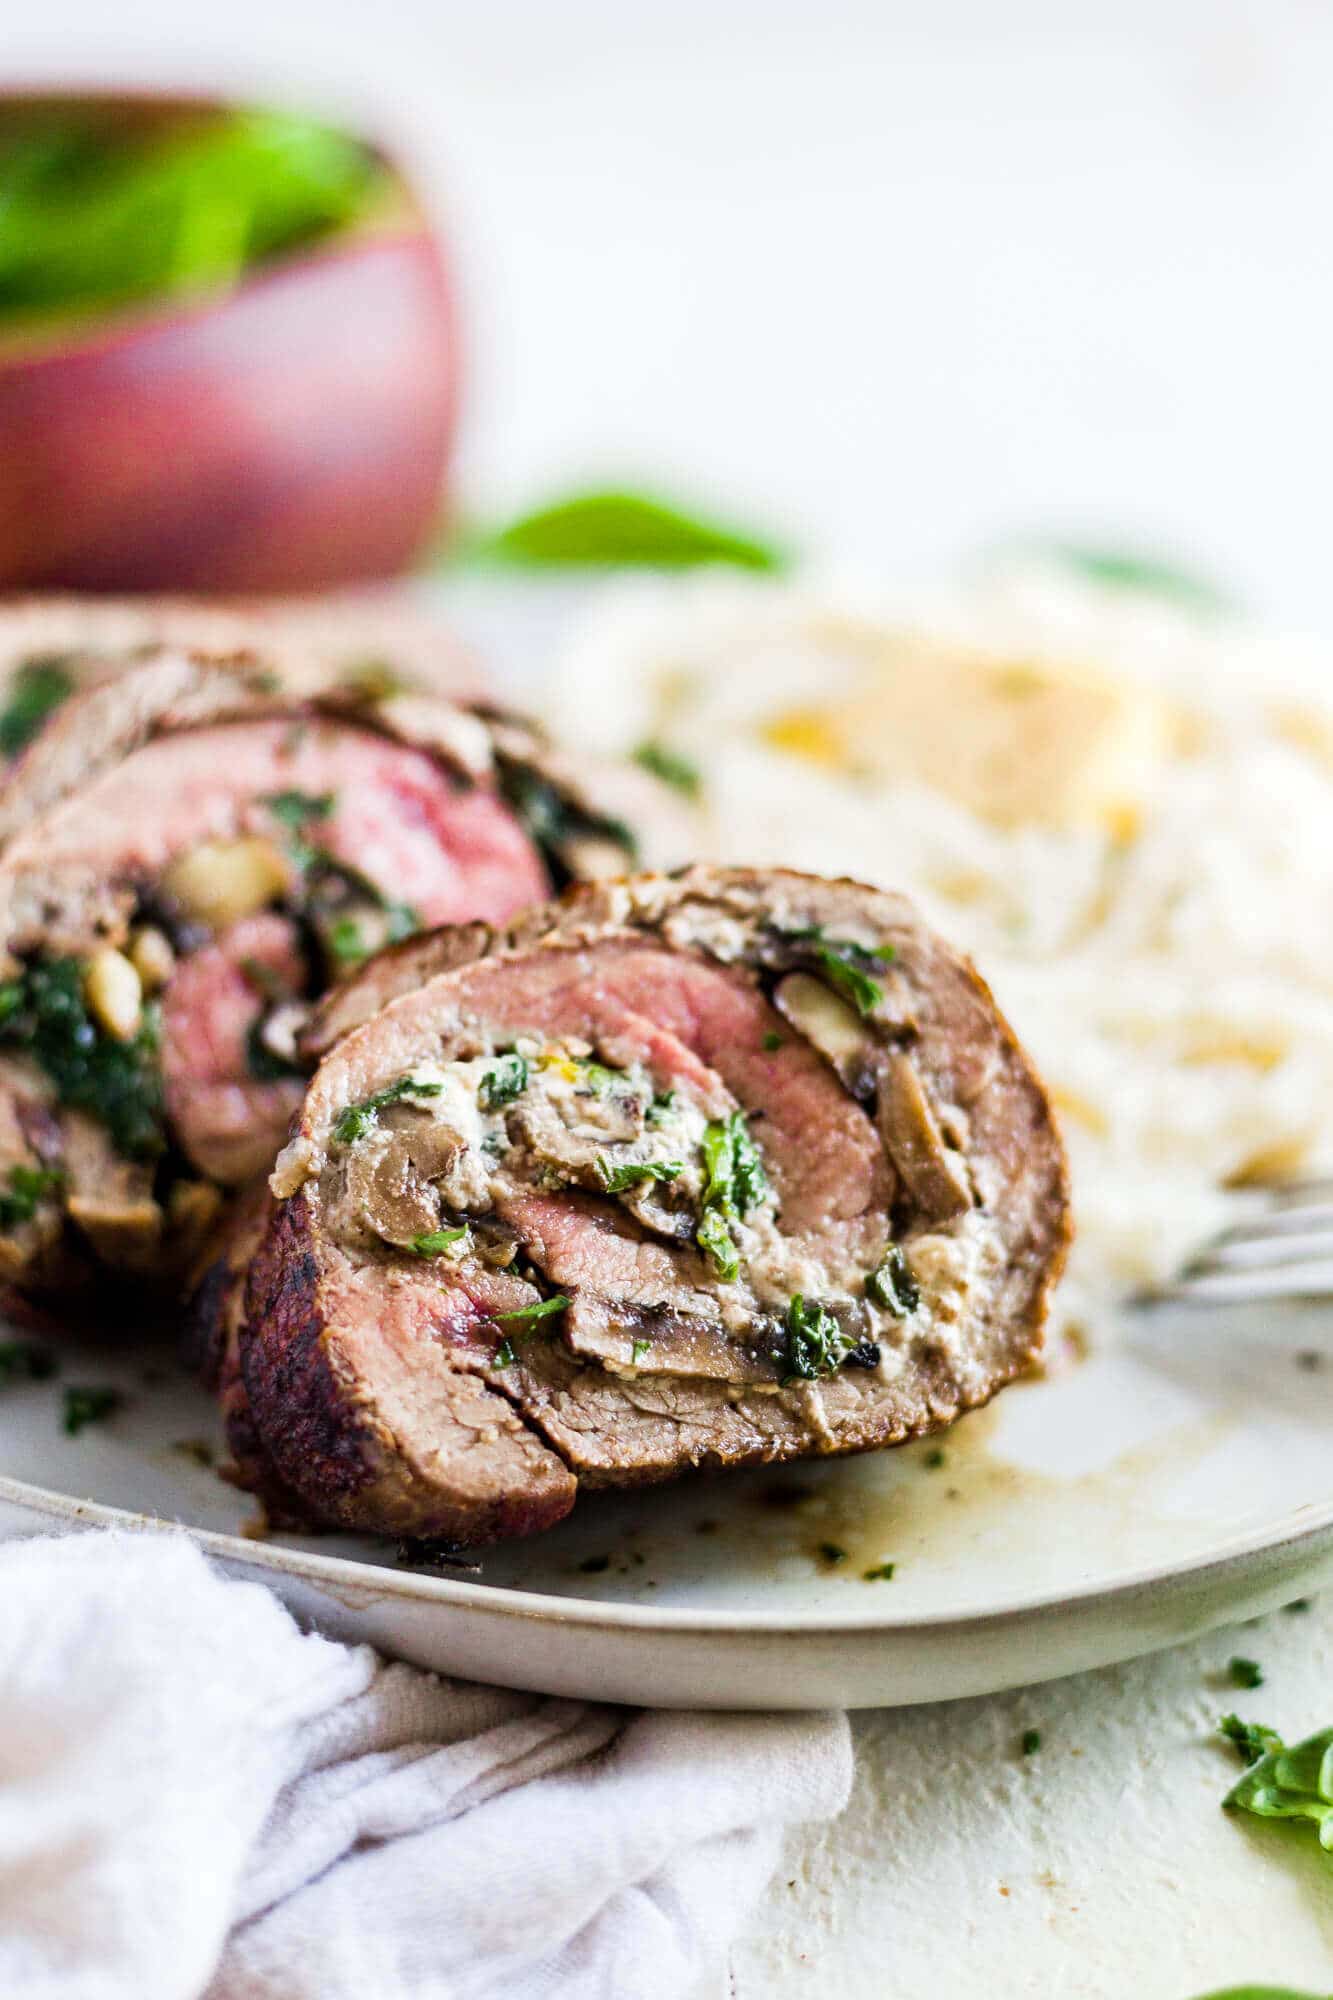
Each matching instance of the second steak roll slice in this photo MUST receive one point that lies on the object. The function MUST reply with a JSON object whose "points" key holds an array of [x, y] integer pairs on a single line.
{"points": [[690, 1171]]}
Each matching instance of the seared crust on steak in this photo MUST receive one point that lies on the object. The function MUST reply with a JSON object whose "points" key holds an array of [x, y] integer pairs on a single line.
{"points": [[890, 1106]]}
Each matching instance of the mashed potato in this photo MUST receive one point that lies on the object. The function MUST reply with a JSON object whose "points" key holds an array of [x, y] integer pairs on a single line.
{"points": [[1169, 963]]}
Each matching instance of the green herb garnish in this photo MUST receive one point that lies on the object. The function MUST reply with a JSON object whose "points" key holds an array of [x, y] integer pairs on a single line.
{"points": [[1030, 1742], [1294, 1783], [881, 1573], [117, 1083], [35, 690], [714, 1239], [842, 964], [98, 215], [617, 1179], [846, 977], [934, 1459], [620, 530], [771, 1041], [1252, 1739], [25, 1361], [671, 767], [346, 942], [639, 1349], [357, 1119], [1123, 569], [553, 819], [501, 1085], [504, 1356], [1245, 1673], [264, 1063], [830, 1552], [734, 1183], [817, 1346], [84, 1406], [539, 1310], [438, 1241], [892, 1284], [663, 1102], [296, 809], [27, 1186]]}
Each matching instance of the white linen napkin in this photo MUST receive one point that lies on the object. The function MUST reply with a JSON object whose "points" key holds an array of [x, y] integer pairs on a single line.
{"points": [[199, 1799]]}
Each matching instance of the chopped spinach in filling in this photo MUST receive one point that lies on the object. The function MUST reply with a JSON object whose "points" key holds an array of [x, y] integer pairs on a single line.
{"points": [[36, 690], [44, 1014]]}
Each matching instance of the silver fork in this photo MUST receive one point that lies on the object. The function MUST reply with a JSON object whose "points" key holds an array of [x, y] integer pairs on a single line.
{"points": [[1283, 1252]]}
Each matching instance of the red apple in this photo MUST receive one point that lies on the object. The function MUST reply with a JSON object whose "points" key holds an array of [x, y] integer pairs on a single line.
{"points": [[288, 434]]}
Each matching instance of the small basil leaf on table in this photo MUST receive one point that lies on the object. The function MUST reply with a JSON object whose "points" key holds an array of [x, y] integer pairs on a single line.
{"points": [[620, 529]]}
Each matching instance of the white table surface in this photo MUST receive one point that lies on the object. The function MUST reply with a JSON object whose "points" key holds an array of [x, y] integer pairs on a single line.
{"points": [[902, 280]]}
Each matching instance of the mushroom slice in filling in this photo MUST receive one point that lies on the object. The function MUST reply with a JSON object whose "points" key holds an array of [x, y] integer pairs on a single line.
{"points": [[615, 1193]]}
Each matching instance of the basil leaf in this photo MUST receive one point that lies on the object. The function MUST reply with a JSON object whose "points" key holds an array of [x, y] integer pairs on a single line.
{"points": [[634, 1172], [1261, 1993], [538, 1310], [718, 1148], [84, 1406], [501, 1085], [96, 216], [670, 767], [1147, 576], [1294, 1783], [1252, 1739], [357, 1119], [439, 1240], [295, 808], [36, 689], [817, 1346], [714, 1239], [621, 530], [840, 962], [117, 1083], [892, 1284], [749, 1182], [27, 1186]]}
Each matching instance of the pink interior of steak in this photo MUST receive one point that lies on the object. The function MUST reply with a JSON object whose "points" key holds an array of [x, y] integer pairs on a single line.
{"points": [[367, 837], [699, 1170], [450, 853], [633, 1264]]}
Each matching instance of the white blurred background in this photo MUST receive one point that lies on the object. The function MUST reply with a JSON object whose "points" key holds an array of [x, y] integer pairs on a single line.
{"points": [[900, 281]]}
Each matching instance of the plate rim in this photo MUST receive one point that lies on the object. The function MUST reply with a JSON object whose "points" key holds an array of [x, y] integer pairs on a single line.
{"points": [[346, 1574]]}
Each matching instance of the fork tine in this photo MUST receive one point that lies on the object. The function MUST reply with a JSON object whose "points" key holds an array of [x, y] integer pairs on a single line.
{"points": [[1232, 1287], [1285, 1251], [1313, 1221], [1260, 1252]]}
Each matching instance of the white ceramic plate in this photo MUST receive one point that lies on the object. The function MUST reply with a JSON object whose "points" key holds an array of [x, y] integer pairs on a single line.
{"points": [[1177, 1480]]}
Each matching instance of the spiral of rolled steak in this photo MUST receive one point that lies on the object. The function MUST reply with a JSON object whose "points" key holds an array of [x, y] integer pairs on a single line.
{"points": [[188, 864], [678, 1172]]}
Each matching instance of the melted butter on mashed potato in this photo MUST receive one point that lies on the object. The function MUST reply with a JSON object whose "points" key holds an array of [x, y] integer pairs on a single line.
{"points": [[1104, 797]]}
